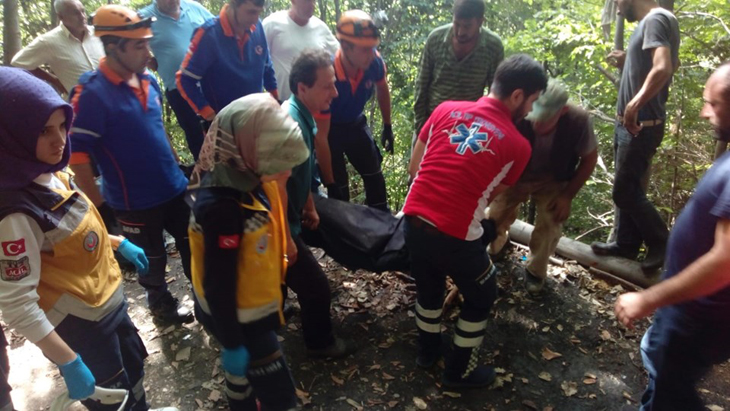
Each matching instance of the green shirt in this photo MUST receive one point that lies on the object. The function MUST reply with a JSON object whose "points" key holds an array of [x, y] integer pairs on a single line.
{"points": [[299, 184], [442, 77]]}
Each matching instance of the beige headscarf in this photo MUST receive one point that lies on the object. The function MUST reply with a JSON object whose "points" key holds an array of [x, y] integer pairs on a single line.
{"points": [[249, 138]]}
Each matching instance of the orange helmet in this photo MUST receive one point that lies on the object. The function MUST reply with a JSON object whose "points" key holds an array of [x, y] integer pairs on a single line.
{"points": [[120, 21], [358, 28]]}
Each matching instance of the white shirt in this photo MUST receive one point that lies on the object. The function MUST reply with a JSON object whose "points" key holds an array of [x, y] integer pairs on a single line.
{"points": [[22, 242], [67, 56], [287, 40]]}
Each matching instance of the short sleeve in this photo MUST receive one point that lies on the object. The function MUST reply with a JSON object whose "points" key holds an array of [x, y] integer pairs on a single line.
{"points": [[380, 69], [657, 32], [721, 208], [89, 119], [587, 142]]}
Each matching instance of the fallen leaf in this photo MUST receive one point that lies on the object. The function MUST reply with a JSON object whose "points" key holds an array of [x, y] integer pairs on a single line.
{"points": [[374, 367], [545, 376], [569, 388], [303, 396], [589, 381], [338, 381], [589, 375], [387, 376], [420, 404], [214, 396], [354, 404], [559, 327], [200, 403], [605, 335], [715, 408], [452, 394], [183, 355], [392, 404], [548, 409], [628, 396], [525, 381], [549, 354]]}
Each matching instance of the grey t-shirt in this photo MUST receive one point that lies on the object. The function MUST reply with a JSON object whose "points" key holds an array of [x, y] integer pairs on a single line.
{"points": [[658, 29]]}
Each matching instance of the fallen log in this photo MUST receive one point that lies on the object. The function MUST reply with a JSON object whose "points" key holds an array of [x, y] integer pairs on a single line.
{"points": [[628, 270]]}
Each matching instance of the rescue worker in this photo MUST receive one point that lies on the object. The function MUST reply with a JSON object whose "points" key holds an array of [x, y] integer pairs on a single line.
{"points": [[60, 286], [119, 124], [238, 238]]}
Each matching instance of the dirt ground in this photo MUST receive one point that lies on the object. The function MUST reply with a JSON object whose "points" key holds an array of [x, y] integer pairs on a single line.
{"points": [[562, 351]]}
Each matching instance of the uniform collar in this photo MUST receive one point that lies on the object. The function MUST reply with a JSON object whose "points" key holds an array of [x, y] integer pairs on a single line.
{"points": [[306, 114], [490, 101], [227, 29], [112, 76]]}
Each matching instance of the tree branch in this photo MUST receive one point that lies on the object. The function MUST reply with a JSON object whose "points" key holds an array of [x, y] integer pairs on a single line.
{"points": [[702, 14], [608, 75]]}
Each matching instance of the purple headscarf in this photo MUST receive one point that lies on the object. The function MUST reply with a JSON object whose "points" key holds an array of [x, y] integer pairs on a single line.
{"points": [[26, 104]]}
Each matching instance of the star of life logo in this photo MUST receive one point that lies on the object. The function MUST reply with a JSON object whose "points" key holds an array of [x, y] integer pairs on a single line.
{"points": [[471, 138]]}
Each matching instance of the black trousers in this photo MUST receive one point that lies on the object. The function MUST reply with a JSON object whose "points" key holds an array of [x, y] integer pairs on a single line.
{"points": [[144, 229], [306, 278], [355, 140], [188, 121]]}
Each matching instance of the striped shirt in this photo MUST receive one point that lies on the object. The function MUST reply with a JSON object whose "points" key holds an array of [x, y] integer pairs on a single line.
{"points": [[442, 77]]}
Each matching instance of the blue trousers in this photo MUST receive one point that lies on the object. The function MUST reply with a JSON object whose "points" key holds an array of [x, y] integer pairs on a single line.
{"points": [[678, 349], [114, 353]]}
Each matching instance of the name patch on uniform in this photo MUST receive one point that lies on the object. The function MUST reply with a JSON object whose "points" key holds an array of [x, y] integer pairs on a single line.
{"points": [[13, 248], [14, 270], [91, 241], [229, 242]]}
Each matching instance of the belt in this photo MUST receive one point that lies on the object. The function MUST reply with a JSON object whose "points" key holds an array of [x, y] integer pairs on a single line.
{"points": [[423, 224], [645, 123]]}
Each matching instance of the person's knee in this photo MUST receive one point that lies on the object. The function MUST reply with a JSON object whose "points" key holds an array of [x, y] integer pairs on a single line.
{"points": [[626, 195]]}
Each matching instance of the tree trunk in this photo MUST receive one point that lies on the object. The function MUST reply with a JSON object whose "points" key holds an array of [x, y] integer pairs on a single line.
{"points": [[11, 30], [338, 12], [54, 16], [323, 10]]}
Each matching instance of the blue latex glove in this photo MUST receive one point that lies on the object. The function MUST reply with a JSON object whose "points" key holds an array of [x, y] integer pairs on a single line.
{"points": [[79, 380], [135, 255], [235, 360]]}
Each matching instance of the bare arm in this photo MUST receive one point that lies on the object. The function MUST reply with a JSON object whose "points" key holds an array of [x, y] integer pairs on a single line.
{"points": [[84, 178], [56, 349], [322, 148], [661, 72], [707, 275]]}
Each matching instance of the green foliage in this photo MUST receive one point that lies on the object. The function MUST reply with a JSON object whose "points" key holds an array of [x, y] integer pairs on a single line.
{"points": [[566, 36]]}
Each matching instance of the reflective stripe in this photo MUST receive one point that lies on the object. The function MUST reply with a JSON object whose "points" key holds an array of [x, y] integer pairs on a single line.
{"points": [[239, 396], [428, 313], [138, 389], [237, 379], [68, 304], [70, 221], [463, 342], [189, 74], [84, 131], [245, 315], [471, 327], [427, 327]]}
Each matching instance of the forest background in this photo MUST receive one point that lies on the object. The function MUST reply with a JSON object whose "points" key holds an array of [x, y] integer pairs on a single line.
{"points": [[568, 36]]}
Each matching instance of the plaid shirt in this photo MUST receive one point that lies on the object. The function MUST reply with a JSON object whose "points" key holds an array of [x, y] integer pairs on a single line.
{"points": [[442, 77]]}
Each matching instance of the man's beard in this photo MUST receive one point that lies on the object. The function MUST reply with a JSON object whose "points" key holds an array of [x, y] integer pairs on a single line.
{"points": [[723, 134], [520, 113]]}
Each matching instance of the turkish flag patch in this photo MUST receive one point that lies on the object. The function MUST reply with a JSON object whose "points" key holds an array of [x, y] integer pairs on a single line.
{"points": [[13, 248], [229, 242], [14, 270]]}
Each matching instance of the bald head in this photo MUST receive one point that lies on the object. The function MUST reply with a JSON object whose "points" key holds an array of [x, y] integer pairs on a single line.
{"points": [[717, 101]]}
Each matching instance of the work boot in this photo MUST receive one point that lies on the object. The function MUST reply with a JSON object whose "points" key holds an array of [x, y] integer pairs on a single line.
{"points": [[614, 250], [338, 349], [429, 349], [654, 259], [167, 310], [462, 369], [533, 283]]}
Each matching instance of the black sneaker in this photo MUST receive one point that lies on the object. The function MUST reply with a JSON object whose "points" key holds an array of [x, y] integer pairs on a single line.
{"points": [[168, 310], [482, 376], [654, 259], [614, 250], [338, 349]]}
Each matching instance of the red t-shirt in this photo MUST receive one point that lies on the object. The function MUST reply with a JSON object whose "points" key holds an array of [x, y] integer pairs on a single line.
{"points": [[471, 148]]}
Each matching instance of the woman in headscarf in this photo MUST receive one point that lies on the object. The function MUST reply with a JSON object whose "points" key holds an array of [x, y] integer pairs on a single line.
{"points": [[238, 240], [60, 286]]}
